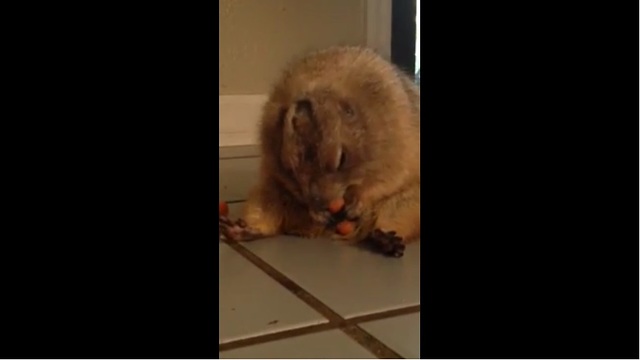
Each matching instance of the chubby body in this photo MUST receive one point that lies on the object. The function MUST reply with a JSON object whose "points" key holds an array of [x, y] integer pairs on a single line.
{"points": [[340, 123]]}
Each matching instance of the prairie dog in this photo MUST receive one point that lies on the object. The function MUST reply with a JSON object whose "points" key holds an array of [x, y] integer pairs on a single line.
{"points": [[340, 122]]}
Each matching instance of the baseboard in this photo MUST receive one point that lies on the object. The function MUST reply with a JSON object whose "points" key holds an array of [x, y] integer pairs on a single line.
{"points": [[238, 119], [236, 152]]}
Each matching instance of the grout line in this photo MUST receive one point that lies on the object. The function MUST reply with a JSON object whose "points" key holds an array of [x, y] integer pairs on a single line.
{"points": [[275, 336], [286, 282], [371, 343], [238, 157], [315, 328], [362, 337], [384, 314], [230, 202]]}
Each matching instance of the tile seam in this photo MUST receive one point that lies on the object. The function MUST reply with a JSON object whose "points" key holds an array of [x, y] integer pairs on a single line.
{"points": [[311, 329], [239, 157], [366, 340]]}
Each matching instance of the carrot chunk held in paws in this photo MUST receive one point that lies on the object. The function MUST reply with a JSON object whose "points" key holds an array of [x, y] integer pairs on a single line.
{"points": [[345, 227], [336, 205]]}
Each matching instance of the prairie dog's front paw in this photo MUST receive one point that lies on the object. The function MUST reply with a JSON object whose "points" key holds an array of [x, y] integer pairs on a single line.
{"points": [[238, 230], [354, 207], [387, 243]]}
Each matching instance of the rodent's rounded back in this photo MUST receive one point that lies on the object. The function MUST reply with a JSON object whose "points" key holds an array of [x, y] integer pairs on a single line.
{"points": [[356, 73]]}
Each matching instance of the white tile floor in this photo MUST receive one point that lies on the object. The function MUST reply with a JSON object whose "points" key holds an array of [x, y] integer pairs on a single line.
{"points": [[350, 281], [403, 342], [331, 344], [252, 304]]}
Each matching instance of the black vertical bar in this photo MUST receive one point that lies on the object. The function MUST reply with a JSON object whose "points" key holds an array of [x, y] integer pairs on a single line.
{"points": [[403, 35]]}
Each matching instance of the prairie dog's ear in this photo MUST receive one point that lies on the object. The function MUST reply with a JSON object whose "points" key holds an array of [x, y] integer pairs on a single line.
{"points": [[298, 116]]}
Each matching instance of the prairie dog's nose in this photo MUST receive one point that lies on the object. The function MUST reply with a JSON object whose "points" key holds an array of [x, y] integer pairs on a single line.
{"points": [[317, 200]]}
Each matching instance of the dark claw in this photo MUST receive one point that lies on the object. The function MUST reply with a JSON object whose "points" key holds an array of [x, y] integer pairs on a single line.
{"points": [[387, 243]]}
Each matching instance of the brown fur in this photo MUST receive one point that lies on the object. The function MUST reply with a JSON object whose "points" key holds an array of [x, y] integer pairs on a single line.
{"points": [[343, 100]]}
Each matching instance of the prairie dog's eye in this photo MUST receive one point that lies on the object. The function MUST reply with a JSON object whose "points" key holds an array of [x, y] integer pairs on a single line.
{"points": [[341, 158], [348, 109]]}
